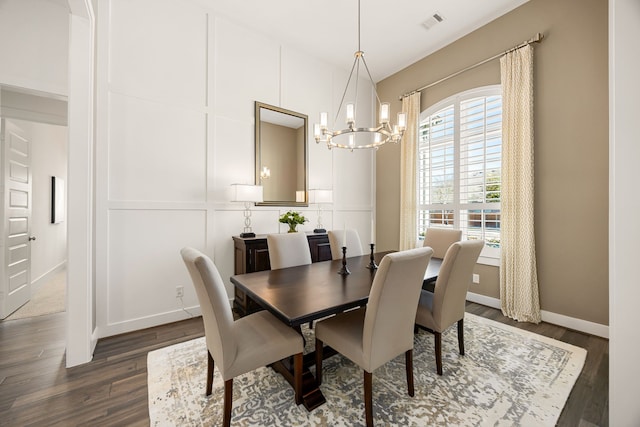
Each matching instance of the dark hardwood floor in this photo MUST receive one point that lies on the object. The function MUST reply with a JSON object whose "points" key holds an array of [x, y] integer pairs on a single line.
{"points": [[37, 390]]}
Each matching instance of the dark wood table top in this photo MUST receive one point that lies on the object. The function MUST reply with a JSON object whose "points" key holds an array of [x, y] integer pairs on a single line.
{"points": [[297, 295]]}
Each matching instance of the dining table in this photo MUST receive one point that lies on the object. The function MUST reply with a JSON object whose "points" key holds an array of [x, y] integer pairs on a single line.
{"points": [[306, 293]]}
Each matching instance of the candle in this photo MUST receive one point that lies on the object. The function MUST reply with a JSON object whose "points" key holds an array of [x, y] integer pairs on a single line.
{"points": [[344, 235], [373, 231]]}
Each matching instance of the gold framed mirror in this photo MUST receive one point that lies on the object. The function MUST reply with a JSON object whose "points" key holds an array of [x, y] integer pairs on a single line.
{"points": [[281, 155]]}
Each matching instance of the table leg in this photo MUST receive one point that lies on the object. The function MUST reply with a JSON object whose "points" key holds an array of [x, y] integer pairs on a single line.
{"points": [[312, 397]]}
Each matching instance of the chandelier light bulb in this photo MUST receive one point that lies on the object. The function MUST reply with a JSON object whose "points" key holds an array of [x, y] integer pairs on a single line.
{"points": [[323, 120], [402, 121], [351, 114], [384, 112]]}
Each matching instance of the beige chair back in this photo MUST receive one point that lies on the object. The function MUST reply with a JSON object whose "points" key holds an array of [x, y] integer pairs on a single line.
{"points": [[440, 239], [214, 304], [453, 282], [288, 250], [391, 310], [354, 246]]}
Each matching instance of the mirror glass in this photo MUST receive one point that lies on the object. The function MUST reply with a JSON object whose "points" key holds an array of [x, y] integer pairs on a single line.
{"points": [[281, 155]]}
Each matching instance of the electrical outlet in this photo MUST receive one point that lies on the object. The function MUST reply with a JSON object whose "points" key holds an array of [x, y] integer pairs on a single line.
{"points": [[179, 291], [476, 278]]}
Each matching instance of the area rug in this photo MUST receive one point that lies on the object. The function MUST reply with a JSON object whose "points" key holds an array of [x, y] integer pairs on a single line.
{"points": [[507, 377]]}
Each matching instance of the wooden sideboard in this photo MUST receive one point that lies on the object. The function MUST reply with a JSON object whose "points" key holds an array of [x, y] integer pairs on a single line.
{"points": [[251, 254]]}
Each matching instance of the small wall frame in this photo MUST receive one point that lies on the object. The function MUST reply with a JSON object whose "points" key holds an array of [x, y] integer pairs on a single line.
{"points": [[57, 200]]}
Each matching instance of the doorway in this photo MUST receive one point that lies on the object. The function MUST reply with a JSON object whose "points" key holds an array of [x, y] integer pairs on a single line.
{"points": [[45, 250]]}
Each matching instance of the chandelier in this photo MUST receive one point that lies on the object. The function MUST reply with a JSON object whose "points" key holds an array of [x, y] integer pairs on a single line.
{"points": [[355, 137]]}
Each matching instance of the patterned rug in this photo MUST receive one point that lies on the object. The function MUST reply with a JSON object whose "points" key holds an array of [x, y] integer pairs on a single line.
{"points": [[507, 377]]}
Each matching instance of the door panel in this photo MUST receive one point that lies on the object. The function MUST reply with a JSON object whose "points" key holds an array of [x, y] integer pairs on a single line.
{"points": [[18, 199], [16, 217], [18, 226]]}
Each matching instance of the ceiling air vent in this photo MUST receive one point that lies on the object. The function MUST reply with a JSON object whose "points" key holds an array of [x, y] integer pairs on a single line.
{"points": [[434, 19]]}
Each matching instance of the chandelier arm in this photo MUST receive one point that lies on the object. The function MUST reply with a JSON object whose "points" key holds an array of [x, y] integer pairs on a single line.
{"points": [[345, 90], [355, 101], [366, 67]]}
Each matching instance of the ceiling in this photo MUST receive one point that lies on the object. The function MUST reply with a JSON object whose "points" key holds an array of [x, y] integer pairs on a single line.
{"points": [[392, 35]]}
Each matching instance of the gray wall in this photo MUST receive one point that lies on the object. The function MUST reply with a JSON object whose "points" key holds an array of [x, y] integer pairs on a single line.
{"points": [[571, 144]]}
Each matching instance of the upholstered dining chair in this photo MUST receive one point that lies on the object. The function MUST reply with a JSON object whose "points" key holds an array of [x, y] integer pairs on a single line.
{"points": [[445, 306], [288, 250], [240, 346], [439, 239], [336, 240], [371, 336]]}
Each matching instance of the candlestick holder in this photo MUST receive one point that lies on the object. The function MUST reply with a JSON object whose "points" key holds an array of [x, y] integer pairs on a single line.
{"points": [[344, 270], [372, 264]]}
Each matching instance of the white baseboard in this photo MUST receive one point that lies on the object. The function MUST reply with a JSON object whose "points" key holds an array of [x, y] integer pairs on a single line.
{"points": [[585, 326], [177, 315], [147, 322], [484, 300], [44, 278]]}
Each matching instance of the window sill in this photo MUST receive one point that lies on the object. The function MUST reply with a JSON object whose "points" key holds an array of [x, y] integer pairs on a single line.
{"points": [[485, 260]]}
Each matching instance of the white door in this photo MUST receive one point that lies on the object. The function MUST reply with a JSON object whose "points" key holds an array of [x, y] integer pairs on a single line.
{"points": [[16, 217]]}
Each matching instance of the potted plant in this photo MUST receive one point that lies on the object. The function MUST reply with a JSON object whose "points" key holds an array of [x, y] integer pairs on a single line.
{"points": [[293, 219]]}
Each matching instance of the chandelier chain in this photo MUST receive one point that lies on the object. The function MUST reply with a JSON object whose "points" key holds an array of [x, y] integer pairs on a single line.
{"points": [[359, 49]]}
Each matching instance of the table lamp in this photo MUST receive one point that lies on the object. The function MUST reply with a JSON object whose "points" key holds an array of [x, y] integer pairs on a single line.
{"points": [[320, 196], [248, 194]]}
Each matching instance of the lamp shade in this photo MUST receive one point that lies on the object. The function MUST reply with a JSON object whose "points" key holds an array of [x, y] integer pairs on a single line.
{"points": [[246, 193], [320, 196]]}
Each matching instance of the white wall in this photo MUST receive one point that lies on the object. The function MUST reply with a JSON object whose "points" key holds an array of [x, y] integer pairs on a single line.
{"points": [[624, 229], [48, 158], [175, 104], [34, 39]]}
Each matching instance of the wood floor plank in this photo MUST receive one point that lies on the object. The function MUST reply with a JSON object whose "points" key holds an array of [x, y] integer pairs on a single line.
{"points": [[36, 389]]}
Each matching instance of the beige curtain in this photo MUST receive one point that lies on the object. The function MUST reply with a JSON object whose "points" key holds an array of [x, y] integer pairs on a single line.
{"points": [[518, 277], [408, 165]]}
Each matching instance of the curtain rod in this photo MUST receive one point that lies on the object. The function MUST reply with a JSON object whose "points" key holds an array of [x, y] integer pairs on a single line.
{"points": [[536, 39]]}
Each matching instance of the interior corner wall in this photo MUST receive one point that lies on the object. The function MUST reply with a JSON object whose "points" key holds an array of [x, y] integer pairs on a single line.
{"points": [[175, 128], [571, 159]]}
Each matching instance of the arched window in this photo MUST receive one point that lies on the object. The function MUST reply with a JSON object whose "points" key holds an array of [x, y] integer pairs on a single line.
{"points": [[459, 166]]}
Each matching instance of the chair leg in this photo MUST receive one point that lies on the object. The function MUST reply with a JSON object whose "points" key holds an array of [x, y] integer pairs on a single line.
{"points": [[209, 373], [408, 360], [438, 338], [228, 399], [319, 347], [368, 398], [461, 336], [297, 377]]}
